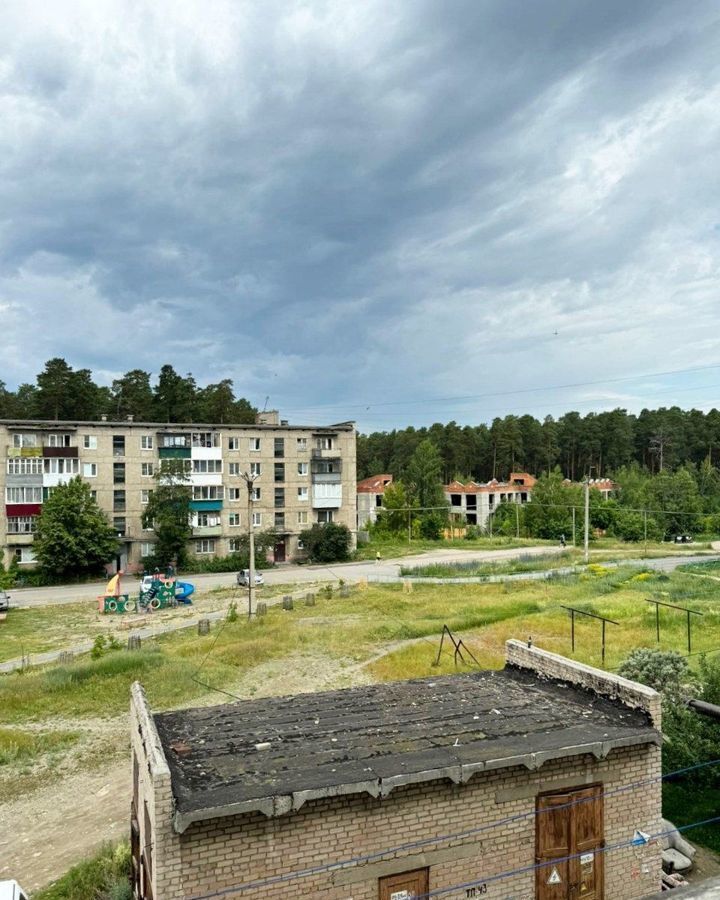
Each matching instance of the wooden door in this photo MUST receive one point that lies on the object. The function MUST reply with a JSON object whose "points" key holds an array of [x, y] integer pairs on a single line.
{"points": [[569, 836], [405, 886]]}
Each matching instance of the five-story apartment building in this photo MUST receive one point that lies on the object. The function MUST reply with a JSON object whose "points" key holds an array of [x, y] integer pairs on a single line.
{"points": [[302, 475]]}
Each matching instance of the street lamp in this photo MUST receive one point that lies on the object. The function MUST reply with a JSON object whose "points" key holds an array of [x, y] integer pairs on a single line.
{"points": [[249, 480]]}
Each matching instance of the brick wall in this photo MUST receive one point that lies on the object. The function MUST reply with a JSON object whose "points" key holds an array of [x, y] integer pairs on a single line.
{"points": [[225, 852], [551, 665]]}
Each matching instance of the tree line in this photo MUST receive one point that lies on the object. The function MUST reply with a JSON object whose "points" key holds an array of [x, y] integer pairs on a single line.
{"points": [[61, 392], [596, 444]]}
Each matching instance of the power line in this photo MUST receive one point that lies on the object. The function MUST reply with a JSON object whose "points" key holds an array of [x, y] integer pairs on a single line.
{"points": [[438, 839], [463, 398]]}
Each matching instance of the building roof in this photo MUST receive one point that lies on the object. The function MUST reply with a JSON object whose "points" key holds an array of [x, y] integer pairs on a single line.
{"points": [[375, 484], [493, 486], [273, 755], [69, 424]]}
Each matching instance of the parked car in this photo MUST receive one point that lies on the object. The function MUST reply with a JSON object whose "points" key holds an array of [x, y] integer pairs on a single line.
{"points": [[243, 578], [11, 890], [4, 601], [683, 539]]}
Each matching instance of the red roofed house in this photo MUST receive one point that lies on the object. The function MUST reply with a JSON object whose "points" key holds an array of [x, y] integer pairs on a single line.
{"points": [[370, 498], [476, 502]]}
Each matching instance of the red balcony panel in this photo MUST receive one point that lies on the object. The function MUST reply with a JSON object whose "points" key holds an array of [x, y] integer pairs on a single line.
{"points": [[60, 452], [23, 509]]}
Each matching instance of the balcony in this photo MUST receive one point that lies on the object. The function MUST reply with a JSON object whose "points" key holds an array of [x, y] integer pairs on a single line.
{"points": [[56, 452], [206, 505], [207, 531], [326, 478], [22, 539], [321, 453], [24, 451], [174, 452]]}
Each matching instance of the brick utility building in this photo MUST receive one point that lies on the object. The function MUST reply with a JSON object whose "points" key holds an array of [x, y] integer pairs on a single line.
{"points": [[305, 474], [546, 770], [477, 502]]}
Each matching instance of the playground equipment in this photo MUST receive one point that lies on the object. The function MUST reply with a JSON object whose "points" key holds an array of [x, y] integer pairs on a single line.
{"points": [[156, 592]]}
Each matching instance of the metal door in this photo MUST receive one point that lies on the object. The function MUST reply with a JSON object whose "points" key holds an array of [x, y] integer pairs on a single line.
{"points": [[405, 886]]}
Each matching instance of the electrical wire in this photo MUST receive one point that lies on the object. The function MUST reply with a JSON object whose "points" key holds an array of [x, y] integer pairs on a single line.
{"points": [[438, 839]]}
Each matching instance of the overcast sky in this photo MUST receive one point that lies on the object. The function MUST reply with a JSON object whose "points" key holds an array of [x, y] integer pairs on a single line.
{"points": [[363, 208]]}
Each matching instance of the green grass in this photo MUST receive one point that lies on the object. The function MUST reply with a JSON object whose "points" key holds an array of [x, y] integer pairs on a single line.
{"points": [[476, 569], [398, 546], [39, 629], [25, 746], [105, 876], [683, 806], [371, 623]]}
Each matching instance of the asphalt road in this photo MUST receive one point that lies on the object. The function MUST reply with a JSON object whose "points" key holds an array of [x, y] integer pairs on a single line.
{"points": [[283, 574]]}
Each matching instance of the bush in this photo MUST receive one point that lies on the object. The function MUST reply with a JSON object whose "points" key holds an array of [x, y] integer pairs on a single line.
{"points": [[431, 526], [327, 543]]}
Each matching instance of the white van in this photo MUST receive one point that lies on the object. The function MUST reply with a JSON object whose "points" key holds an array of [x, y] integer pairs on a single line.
{"points": [[11, 890]]}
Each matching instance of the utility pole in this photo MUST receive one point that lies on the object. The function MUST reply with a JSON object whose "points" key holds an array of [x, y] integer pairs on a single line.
{"points": [[573, 518], [645, 526], [517, 520], [586, 485], [249, 481]]}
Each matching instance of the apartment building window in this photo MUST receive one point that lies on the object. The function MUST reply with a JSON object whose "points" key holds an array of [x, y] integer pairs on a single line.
{"points": [[279, 448], [234, 520], [58, 440], [25, 440], [302, 445], [119, 501], [324, 516], [234, 495], [206, 466], [146, 442], [255, 445], [279, 471], [255, 494], [234, 468], [257, 519], [302, 468], [90, 470], [279, 497], [325, 443], [147, 470], [256, 469], [208, 492], [146, 548], [205, 546], [302, 494], [300, 545], [234, 545], [118, 445], [175, 440], [120, 526], [207, 520], [145, 497], [234, 443], [205, 439], [302, 517], [23, 494], [24, 465], [61, 466], [21, 524], [118, 473], [89, 442], [279, 520], [93, 494], [25, 554]]}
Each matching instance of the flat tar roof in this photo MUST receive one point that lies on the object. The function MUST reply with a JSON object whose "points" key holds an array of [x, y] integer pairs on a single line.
{"points": [[275, 754]]}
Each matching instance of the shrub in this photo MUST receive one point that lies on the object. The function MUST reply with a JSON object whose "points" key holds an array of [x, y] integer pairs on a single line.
{"points": [[105, 876], [327, 543]]}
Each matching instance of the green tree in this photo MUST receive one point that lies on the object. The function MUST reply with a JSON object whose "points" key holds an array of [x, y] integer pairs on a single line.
{"points": [[327, 543], [393, 516], [175, 397], [73, 535], [549, 515], [168, 512], [675, 501], [424, 476], [54, 395], [133, 396]]}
